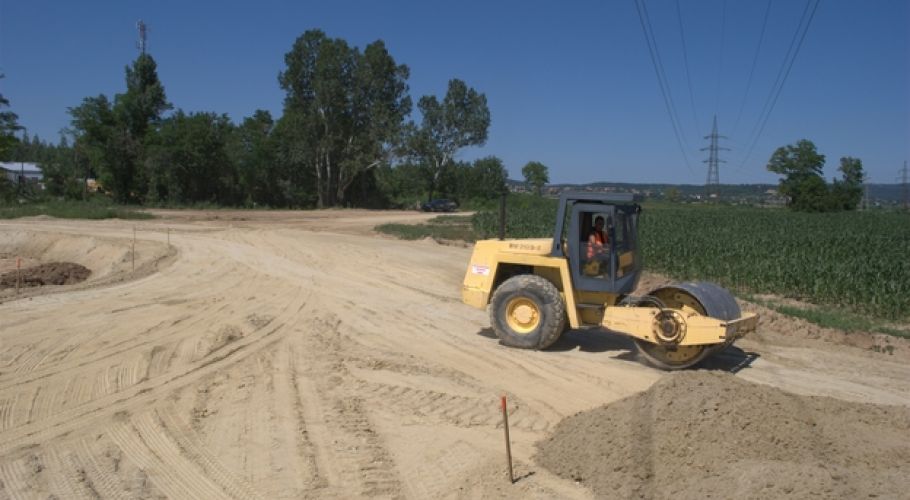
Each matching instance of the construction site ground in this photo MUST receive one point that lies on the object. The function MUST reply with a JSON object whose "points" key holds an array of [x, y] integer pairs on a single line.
{"points": [[277, 354]]}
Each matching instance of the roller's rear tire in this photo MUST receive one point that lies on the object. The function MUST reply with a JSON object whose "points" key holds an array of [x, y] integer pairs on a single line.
{"points": [[527, 311]]}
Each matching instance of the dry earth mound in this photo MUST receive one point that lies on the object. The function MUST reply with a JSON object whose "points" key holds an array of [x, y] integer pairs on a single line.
{"points": [[52, 273], [710, 435]]}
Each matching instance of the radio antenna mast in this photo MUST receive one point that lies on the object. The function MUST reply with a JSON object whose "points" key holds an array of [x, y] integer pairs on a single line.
{"points": [[143, 32]]}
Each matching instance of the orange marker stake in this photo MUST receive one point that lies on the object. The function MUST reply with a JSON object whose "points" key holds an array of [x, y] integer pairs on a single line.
{"points": [[505, 425]]}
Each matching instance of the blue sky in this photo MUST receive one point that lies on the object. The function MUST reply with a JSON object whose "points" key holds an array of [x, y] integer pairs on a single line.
{"points": [[569, 84]]}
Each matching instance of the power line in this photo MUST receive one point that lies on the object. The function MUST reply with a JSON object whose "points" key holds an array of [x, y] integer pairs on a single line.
{"points": [[662, 73], [780, 71], [661, 78], [720, 54], [685, 51], [761, 38], [775, 92]]}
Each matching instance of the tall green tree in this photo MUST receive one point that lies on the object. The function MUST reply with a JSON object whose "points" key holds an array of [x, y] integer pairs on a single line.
{"points": [[137, 111], [536, 175], [346, 109], [252, 149], [487, 179], [144, 101], [847, 193], [8, 142], [188, 161], [462, 119], [94, 128], [801, 165], [113, 136], [294, 157], [8, 127]]}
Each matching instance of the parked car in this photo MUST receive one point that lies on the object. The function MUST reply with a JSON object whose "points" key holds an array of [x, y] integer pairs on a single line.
{"points": [[439, 205]]}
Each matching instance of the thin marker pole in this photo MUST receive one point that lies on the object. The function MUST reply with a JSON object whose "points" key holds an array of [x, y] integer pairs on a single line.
{"points": [[505, 426], [133, 251], [18, 273], [502, 217]]}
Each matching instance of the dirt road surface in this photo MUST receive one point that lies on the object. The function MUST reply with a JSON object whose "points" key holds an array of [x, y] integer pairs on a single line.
{"points": [[298, 354]]}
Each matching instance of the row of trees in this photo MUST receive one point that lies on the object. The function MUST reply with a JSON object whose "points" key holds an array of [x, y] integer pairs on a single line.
{"points": [[344, 138]]}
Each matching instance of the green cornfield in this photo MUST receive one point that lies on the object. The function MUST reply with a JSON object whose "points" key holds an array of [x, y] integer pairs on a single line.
{"points": [[857, 260], [527, 217]]}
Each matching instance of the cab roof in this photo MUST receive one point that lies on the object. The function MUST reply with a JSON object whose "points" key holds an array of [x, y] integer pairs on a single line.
{"points": [[605, 198]]}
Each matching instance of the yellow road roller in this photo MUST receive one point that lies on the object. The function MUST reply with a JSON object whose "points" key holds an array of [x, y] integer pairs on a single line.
{"points": [[585, 277]]}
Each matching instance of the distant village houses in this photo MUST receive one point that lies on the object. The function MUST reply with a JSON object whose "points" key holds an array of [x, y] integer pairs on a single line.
{"points": [[22, 172]]}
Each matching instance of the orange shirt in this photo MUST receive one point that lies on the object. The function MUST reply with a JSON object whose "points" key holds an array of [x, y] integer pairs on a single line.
{"points": [[600, 239]]}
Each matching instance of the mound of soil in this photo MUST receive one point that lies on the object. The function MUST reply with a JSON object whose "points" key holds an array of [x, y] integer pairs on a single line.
{"points": [[705, 434], [52, 273]]}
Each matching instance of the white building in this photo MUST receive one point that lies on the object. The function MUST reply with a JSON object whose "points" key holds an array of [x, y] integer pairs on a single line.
{"points": [[27, 172]]}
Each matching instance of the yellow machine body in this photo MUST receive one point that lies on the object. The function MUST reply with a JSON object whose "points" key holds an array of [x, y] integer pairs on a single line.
{"points": [[586, 276], [492, 257], [671, 328]]}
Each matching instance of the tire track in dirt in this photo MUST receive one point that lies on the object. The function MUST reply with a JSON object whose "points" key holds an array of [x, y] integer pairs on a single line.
{"points": [[349, 449], [66, 390], [452, 409], [63, 476], [353, 371], [107, 380], [142, 393], [251, 418], [106, 484], [290, 406], [98, 380], [169, 444], [174, 476], [14, 479], [130, 340]]}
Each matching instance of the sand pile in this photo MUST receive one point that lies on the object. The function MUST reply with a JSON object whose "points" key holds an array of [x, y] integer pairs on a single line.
{"points": [[51, 273], [710, 435]]}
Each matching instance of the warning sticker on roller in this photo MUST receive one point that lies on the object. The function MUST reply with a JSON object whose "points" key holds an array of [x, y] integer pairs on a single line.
{"points": [[481, 270]]}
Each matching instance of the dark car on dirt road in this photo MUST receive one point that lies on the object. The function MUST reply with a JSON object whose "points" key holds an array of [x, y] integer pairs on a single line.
{"points": [[440, 205]]}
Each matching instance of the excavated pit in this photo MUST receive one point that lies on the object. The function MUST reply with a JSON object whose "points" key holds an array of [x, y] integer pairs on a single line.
{"points": [[51, 273], [55, 261], [707, 434]]}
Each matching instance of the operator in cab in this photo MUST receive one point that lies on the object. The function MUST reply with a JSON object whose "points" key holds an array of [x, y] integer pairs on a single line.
{"points": [[598, 254], [597, 240]]}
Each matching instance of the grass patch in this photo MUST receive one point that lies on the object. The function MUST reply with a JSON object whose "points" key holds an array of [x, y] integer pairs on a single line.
{"points": [[444, 227], [830, 317], [72, 210]]}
